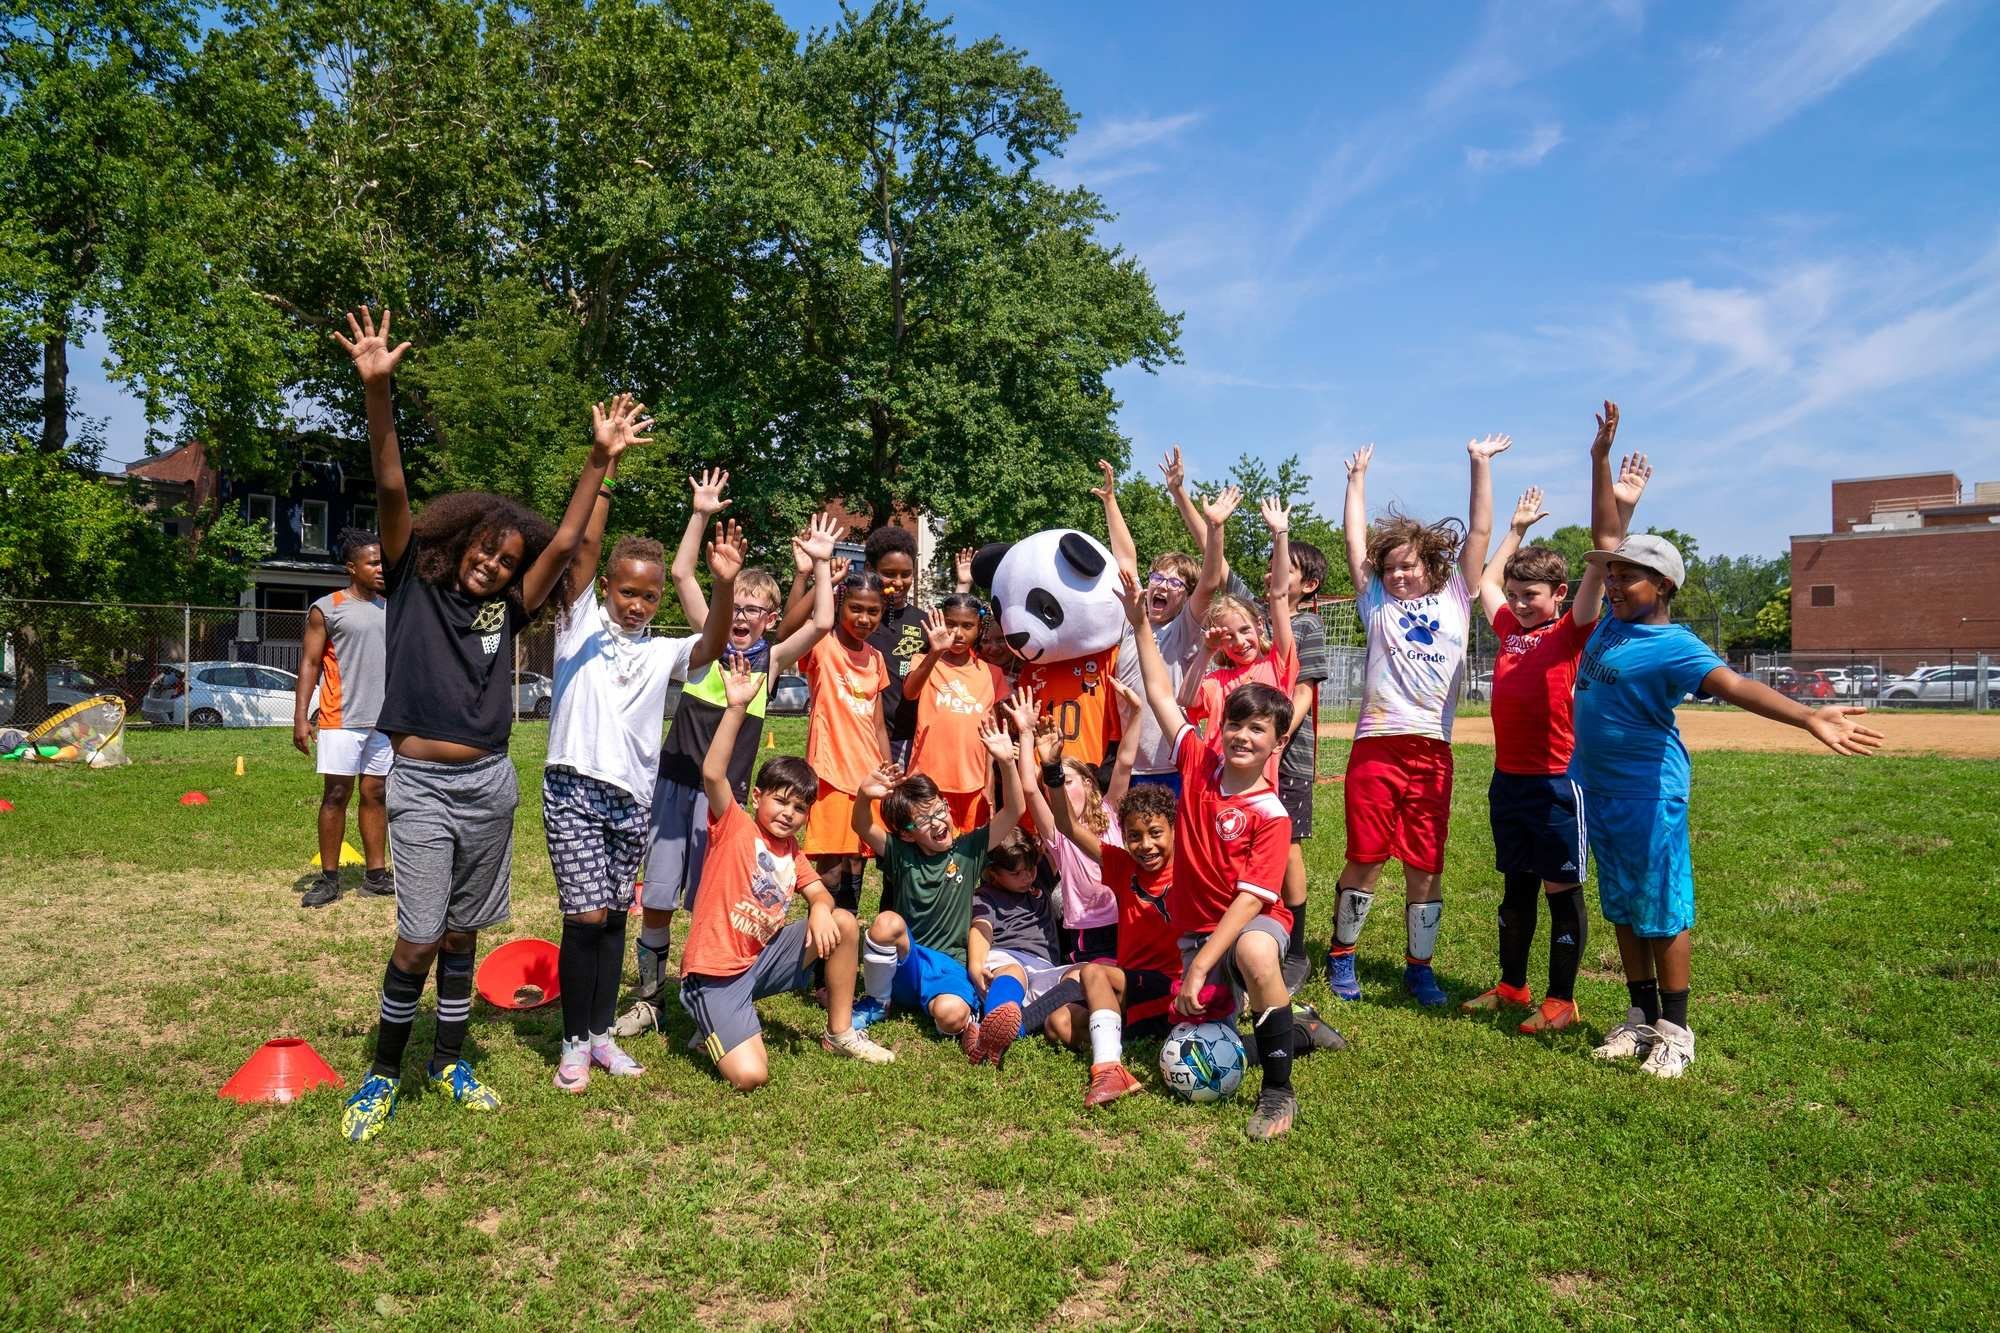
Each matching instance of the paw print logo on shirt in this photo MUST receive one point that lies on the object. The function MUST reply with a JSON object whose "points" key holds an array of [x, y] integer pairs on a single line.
{"points": [[1418, 627]]}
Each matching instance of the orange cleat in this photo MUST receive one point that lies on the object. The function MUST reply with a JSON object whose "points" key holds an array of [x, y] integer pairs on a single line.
{"points": [[1553, 1016], [1109, 1082], [968, 1040], [1513, 997]]}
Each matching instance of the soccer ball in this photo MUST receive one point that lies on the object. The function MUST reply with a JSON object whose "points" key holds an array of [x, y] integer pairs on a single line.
{"points": [[1202, 1062]]}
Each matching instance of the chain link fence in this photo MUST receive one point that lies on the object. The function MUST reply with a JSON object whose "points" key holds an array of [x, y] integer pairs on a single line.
{"points": [[1893, 678]]}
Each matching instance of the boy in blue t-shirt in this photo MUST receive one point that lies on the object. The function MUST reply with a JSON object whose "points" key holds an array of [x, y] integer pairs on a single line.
{"points": [[1633, 770]]}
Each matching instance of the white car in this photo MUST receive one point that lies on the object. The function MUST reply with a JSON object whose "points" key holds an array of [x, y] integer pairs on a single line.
{"points": [[535, 694], [67, 684], [1943, 685], [221, 694]]}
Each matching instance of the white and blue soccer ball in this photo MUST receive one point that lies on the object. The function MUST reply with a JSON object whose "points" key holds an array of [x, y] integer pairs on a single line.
{"points": [[1202, 1062]]}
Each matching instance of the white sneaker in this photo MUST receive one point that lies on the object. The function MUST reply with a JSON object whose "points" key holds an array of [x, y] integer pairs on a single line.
{"points": [[1630, 1040], [857, 1045], [642, 1017], [1672, 1053]]}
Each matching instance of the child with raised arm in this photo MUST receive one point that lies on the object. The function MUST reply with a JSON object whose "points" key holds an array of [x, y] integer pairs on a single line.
{"points": [[464, 578], [1054, 783], [1298, 762], [915, 954], [847, 732], [1534, 806], [1230, 838], [1413, 588], [611, 681], [1234, 636], [890, 553], [341, 659], [739, 948], [1634, 773], [953, 689]]}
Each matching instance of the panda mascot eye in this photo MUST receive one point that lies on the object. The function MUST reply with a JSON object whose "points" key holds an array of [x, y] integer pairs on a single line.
{"points": [[1043, 606]]}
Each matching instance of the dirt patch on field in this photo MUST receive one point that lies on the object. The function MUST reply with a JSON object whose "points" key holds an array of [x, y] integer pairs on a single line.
{"points": [[1961, 735]]}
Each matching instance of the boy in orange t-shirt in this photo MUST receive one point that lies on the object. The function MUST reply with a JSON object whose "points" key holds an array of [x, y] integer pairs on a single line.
{"points": [[955, 691]]}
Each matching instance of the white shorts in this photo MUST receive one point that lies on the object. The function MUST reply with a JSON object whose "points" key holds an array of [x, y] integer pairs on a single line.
{"points": [[1042, 976], [346, 753]]}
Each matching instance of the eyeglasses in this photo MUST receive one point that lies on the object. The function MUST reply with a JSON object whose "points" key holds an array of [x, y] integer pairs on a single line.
{"points": [[933, 816], [1167, 581], [751, 612]]}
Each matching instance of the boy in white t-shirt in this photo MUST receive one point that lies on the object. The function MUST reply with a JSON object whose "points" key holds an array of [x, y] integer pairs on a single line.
{"points": [[1414, 586], [611, 683]]}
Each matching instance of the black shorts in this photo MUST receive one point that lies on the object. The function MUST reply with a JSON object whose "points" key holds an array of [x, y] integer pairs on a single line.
{"points": [[1537, 826], [1091, 944], [1143, 991], [1296, 794]]}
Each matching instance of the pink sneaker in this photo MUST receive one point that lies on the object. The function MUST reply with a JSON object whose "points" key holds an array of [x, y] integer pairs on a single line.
{"points": [[609, 1057], [573, 1072]]}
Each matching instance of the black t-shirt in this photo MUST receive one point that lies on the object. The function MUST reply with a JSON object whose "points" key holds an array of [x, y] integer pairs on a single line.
{"points": [[901, 639], [697, 716], [451, 661]]}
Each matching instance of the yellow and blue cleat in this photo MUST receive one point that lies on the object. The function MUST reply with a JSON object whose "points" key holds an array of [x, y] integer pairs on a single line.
{"points": [[457, 1081], [371, 1108]]}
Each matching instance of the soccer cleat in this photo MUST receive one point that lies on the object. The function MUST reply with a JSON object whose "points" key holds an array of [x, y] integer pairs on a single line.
{"points": [[868, 1011], [642, 1017], [609, 1057], [1321, 1035], [968, 1040], [325, 889], [1672, 1053], [372, 1106], [1553, 1016], [1340, 978], [457, 1081], [857, 1045], [997, 1032], [1276, 1109], [1512, 997], [1422, 984], [573, 1071], [378, 884], [1630, 1040], [1109, 1082]]}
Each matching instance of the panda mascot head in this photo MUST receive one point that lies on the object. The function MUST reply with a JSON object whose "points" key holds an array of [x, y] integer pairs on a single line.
{"points": [[1056, 594]]}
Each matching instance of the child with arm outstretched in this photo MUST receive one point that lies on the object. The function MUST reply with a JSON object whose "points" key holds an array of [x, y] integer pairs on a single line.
{"points": [[1240, 649], [847, 731], [954, 690]]}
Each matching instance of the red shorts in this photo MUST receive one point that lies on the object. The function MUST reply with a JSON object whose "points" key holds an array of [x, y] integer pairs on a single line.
{"points": [[969, 810], [1398, 801]]}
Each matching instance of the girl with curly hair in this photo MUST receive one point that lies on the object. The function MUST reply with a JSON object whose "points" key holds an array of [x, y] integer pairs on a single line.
{"points": [[1412, 583], [464, 578]]}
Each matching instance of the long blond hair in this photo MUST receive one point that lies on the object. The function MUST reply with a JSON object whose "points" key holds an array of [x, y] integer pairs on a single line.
{"points": [[1222, 605], [1093, 807]]}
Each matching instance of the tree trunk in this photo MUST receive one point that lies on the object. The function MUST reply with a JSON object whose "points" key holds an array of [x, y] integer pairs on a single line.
{"points": [[31, 679], [55, 389]]}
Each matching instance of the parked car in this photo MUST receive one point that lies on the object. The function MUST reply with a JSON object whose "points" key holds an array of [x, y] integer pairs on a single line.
{"points": [[220, 694], [791, 698], [1815, 685], [1943, 685], [68, 684], [534, 694]]}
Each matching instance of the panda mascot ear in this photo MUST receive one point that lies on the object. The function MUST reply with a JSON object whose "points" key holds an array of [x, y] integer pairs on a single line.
{"points": [[986, 562], [1081, 555]]}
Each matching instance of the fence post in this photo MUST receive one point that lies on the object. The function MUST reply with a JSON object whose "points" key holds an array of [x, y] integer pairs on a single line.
{"points": [[1979, 684], [187, 666]]}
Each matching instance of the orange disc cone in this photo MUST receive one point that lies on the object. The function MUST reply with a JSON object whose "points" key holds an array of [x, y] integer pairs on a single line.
{"points": [[193, 798], [520, 974], [282, 1070], [6, 807]]}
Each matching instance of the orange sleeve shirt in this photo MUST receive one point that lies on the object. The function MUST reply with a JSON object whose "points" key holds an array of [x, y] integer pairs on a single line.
{"points": [[747, 887], [1078, 695], [954, 701], [847, 687]]}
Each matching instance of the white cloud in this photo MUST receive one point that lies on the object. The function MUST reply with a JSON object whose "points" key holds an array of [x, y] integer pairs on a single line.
{"points": [[1110, 150], [1541, 141]]}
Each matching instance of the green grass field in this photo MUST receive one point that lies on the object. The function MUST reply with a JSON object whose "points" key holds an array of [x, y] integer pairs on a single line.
{"points": [[1831, 1158]]}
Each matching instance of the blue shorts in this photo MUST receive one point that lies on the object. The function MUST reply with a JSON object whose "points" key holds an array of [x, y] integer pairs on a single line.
{"points": [[1645, 870], [925, 974], [1538, 826], [1171, 781]]}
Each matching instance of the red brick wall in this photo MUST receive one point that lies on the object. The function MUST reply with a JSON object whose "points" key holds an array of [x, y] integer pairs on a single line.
{"points": [[1854, 501], [1917, 588]]}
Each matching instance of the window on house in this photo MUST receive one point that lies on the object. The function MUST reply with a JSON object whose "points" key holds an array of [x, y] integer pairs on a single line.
{"points": [[364, 517], [312, 526], [1822, 594], [263, 510]]}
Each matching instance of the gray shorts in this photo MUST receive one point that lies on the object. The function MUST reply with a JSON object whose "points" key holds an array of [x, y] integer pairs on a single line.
{"points": [[679, 846], [451, 835], [725, 1008], [1263, 925]]}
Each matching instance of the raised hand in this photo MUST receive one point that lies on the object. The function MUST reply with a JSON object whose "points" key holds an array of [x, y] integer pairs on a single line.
{"points": [[727, 550], [707, 490], [838, 569], [1607, 429], [1132, 599], [1277, 517], [1835, 727], [1174, 469], [1129, 702], [961, 566], [1021, 710], [1106, 490], [999, 741], [936, 632], [1048, 740], [1488, 447], [619, 427], [1528, 511], [1633, 474], [374, 359], [877, 784], [816, 542], [1357, 462], [1219, 507], [740, 684]]}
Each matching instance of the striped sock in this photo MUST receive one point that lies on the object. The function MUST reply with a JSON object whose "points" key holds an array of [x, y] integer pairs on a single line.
{"points": [[400, 992], [454, 1006]]}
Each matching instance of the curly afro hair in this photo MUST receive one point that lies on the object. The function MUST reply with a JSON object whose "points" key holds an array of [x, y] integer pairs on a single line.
{"points": [[452, 524], [1437, 544]]}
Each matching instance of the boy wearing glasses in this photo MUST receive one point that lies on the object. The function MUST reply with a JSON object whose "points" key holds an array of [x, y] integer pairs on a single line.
{"points": [[915, 956], [679, 835]]}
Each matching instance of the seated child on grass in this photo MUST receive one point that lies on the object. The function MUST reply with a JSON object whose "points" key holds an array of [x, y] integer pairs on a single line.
{"points": [[1012, 949]]}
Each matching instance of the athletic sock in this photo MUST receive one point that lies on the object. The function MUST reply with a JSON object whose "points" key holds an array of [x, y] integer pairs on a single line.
{"points": [[846, 889], [1645, 998], [1674, 1007], [1518, 910], [1273, 1031], [576, 970], [1295, 947], [454, 1006], [1568, 933], [610, 965], [1004, 990], [1107, 1036], [656, 938], [400, 992], [1036, 1014], [878, 970]]}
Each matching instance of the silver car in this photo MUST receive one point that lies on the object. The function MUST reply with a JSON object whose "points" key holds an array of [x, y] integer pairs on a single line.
{"points": [[221, 694], [1943, 685]]}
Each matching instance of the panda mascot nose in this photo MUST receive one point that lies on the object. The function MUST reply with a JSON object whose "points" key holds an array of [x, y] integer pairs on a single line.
{"points": [[1018, 640]]}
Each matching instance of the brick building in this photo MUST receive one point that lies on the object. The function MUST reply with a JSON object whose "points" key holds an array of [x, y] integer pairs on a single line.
{"points": [[1910, 571]]}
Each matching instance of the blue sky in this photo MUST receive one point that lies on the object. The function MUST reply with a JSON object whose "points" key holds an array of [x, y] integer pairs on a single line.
{"points": [[1770, 230]]}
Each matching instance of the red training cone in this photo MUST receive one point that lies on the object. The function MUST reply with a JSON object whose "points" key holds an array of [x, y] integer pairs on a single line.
{"points": [[282, 1070], [193, 798], [520, 974], [6, 806]]}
